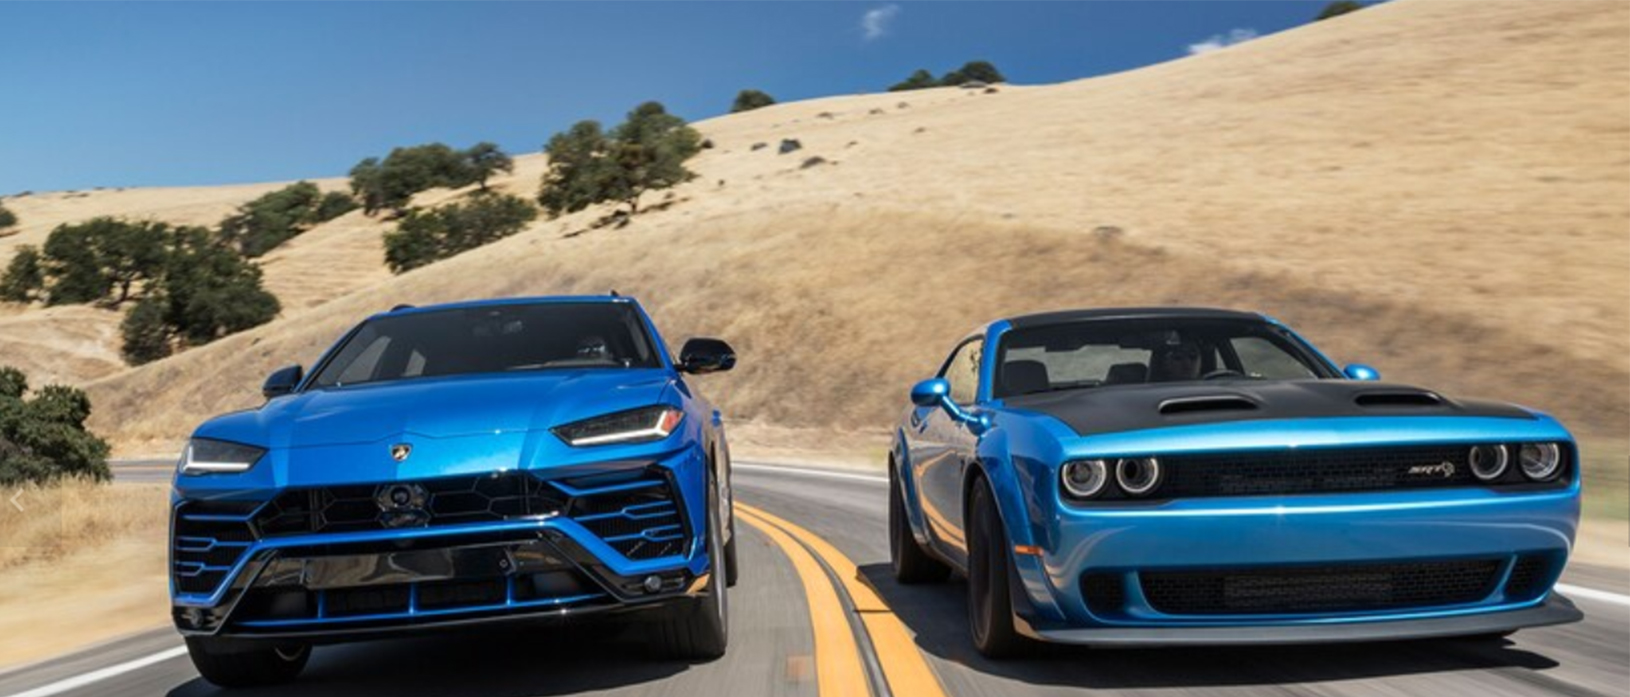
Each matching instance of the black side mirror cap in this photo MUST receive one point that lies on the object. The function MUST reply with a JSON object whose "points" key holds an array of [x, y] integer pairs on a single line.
{"points": [[702, 355], [282, 381]]}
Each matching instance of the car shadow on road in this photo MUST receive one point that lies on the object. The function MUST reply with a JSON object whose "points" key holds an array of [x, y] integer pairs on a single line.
{"points": [[937, 615], [503, 662]]}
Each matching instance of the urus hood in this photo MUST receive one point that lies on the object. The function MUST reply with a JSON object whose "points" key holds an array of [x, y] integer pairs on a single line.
{"points": [[1113, 409], [444, 407]]}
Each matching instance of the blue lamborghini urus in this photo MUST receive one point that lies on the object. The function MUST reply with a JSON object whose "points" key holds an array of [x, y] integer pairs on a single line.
{"points": [[444, 466], [1174, 476]]}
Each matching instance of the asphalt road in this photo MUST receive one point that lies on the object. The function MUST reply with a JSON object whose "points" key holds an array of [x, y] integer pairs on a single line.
{"points": [[773, 639]]}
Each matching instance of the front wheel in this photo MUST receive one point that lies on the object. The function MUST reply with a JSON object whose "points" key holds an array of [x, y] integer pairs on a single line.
{"points": [[990, 600], [699, 629], [256, 667]]}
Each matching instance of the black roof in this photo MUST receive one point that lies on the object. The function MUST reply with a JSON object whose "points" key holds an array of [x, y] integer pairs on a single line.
{"points": [[1045, 318]]}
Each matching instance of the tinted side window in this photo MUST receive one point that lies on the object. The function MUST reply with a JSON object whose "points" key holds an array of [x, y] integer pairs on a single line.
{"points": [[1261, 359], [962, 371]]}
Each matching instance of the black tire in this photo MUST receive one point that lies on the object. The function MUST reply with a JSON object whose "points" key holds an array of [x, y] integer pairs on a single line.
{"points": [[912, 564], [732, 571], [990, 601], [699, 630], [268, 666]]}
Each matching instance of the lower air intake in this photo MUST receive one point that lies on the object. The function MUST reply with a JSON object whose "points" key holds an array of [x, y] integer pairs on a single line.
{"points": [[1322, 589]]}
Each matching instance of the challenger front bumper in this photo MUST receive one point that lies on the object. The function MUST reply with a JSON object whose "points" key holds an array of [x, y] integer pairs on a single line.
{"points": [[1345, 567]]}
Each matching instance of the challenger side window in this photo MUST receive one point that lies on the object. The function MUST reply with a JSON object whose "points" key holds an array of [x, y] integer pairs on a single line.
{"points": [[963, 372], [1260, 358]]}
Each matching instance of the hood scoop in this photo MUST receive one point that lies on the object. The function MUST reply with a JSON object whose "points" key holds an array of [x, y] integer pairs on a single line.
{"points": [[1401, 398], [1206, 404]]}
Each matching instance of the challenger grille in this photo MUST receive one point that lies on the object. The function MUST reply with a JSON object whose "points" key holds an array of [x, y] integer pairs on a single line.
{"points": [[1337, 588], [1315, 471]]}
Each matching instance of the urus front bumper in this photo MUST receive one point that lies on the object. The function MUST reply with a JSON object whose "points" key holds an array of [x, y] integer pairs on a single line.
{"points": [[347, 561]]}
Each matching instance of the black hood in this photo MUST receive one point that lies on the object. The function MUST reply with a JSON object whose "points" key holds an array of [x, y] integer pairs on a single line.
{"points": [[1112, 409]]}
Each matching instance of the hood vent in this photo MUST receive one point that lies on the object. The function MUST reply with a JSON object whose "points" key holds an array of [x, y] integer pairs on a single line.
{"points": [[1209, 403], [1398, 399]]}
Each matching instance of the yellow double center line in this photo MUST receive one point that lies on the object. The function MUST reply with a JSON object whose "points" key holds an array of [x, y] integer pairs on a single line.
{"points": [[839, 669]]}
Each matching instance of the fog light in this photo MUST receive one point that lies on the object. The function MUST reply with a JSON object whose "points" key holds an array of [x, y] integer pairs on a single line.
{"points": [[653, 583], [1488, 462]]}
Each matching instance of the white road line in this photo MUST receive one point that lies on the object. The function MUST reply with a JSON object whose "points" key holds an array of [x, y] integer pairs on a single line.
{"points": [[97, 676], [1573, 591], [876, 478]]}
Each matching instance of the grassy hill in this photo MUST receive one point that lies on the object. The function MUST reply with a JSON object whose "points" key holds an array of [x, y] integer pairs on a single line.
{"points": [[1439, 189]]}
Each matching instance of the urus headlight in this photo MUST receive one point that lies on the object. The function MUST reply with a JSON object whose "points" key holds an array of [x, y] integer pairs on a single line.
{"points": [[641, 425], [207, 456]]}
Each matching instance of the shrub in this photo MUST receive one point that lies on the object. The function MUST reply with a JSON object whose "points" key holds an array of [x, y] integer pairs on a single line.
{"points": [[208, 291], [24, 278], [921, 79], [266, 222], [981, 71], [424, 237], [103, 259], [7, 218], [333, 205], [748, 100], [580, 169], [13, 383], [391, 183], [44, 438], [486, 160], [644, 153], [1338, 8], [146, 336]]}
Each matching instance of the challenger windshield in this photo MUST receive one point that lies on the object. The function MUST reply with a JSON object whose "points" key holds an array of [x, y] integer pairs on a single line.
{"points": [[491, 339], [1096, 353]]}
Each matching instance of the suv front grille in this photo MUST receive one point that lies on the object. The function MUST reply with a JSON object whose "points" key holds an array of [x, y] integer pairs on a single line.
{"points": [[422, 503]]}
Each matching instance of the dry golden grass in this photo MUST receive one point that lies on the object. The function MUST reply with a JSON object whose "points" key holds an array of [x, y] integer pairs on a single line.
{"points": [[1439, 189], [84, 562]]}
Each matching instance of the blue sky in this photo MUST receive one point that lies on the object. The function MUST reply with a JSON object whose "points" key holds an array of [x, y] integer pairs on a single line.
{"points": [[160, 94]]}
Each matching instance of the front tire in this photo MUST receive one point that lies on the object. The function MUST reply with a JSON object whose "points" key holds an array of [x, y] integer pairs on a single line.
{"points": [[990, 599], [256, 667], [699, 629], [912, 564]]}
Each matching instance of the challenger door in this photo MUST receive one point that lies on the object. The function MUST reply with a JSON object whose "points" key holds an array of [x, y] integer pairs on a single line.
{"points": [[942, 448]]}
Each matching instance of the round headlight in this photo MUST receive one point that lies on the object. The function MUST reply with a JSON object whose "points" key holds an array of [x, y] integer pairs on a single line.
{"points": [[1540, 461], [1488, 462], [1084, 478], [1138, 476]]}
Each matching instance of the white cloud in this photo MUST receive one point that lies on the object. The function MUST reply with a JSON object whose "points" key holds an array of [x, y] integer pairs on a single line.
{"points": [[1218, 41], [875, 23]]}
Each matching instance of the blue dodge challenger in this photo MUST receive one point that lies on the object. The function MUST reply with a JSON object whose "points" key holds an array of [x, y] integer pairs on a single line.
{"points": [[1186, 476], [459, 464]]}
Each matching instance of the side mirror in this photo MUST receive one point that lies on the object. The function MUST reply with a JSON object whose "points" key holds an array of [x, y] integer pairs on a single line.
{"points": [[936, 392], [282, 381], [1359, 371], [930, 393], [701, 356]]}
